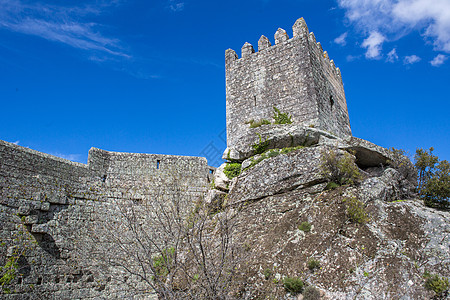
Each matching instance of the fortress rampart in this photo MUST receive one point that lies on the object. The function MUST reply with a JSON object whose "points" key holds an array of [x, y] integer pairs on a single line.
{"points": [[57, 199], [295, 75]]}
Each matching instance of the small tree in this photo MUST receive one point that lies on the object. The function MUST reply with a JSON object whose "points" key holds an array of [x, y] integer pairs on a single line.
{"points": [[171, 245], [339, 168], [434, 178]]}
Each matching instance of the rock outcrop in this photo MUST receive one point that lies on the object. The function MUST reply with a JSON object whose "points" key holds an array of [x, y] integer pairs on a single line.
{"points": [[382, 255]]}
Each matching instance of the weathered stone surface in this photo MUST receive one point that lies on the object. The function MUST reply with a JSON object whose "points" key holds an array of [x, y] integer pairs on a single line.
{"points": [[24, 210], [221, 181], [382, 258], [276, 136], [390, 185], [286, 172], [215, 199]]}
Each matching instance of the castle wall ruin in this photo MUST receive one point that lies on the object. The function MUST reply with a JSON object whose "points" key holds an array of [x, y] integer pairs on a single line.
{"points": [[57, 200]]}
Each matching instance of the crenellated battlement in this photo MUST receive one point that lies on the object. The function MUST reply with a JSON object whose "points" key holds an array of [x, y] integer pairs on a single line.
{"points": [[299, 30], [294, 74]]}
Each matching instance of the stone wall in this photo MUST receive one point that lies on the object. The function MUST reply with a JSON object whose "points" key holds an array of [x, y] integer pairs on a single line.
{"points": [[294, 75], [46, 202]]}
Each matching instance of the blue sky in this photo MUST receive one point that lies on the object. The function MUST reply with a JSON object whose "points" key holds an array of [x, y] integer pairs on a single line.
{"points": [[149, 76]]}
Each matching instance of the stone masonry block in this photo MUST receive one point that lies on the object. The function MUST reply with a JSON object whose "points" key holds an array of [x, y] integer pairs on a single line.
{"points": [[45, 206], [39, 228], [24, 210], [33, 219], [281, 36]]}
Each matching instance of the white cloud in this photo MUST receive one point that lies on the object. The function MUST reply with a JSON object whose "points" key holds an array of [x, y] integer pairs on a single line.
{"points": [[16, 142], [392, 55], [373, 45], [438, 60], [352, 57], [60, 24], [396, 18], [176, 6], [411, 59], [341, 40]]}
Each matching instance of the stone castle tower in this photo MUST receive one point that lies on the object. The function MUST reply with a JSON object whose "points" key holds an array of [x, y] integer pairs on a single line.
{"points": [[295, 75]]}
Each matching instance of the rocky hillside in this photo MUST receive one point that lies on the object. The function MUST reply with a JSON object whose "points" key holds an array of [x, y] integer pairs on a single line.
{"points": [[339, 215]]}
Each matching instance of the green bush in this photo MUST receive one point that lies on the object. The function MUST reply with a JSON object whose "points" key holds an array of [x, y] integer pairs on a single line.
{"points": [[232, 170], [311, 293], [305, 226], [162, 263], [267, 273], [8, 273], [340, 169], [332, 185], [434, 179], [313, 264], [439, 285], [293, 285], [281, 118], [356, 211]]}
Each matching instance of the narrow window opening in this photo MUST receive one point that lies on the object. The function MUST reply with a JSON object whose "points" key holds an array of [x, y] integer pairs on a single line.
{"points": [[331, 101], [254, 98], [39, 281], [158, 162], [211, 171]]}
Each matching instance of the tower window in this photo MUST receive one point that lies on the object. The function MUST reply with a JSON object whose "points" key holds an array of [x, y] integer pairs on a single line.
{"points": [[158, 162], [331, 101]]}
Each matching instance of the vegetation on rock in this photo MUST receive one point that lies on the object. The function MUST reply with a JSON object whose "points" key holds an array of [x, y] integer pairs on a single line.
{"points": [[340, 168], [272, 153], [261, 146], [311, 293], [304, 226], [232, 170], [281, 118], [434, 178], [355, 210], [433, 282], [293, 285], [313, 264]]}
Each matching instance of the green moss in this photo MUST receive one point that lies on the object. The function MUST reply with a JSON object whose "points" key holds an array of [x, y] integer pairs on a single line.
{"points": [[304, 226], [433, 282], [232, 170], [332, 185], [272, 153], [261, 146]]}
